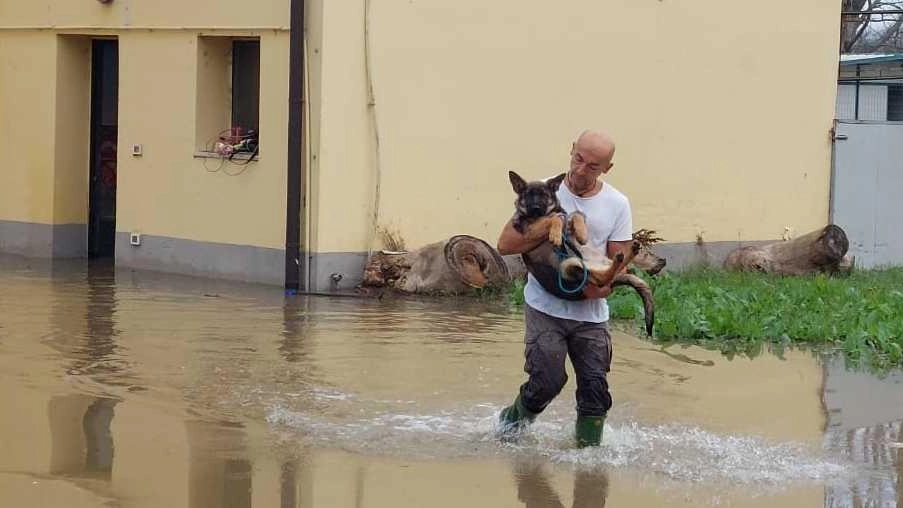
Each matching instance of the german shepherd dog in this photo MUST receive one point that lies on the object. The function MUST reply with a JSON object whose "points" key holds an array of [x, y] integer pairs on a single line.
{"points": [[537, 209]]}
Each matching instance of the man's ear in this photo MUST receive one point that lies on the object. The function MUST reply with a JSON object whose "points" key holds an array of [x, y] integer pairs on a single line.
{"points": [[517, 183], [606, 170], [554, 183]]}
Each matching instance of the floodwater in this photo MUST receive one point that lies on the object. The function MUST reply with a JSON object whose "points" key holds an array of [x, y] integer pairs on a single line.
{"points": [[138, 389]]}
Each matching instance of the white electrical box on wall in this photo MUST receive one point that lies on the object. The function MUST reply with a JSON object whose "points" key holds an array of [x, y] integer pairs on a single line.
{"points": [[137, 150], [135, 238]]}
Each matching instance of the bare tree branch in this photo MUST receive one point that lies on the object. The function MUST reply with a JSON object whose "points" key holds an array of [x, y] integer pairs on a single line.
{"points": [[889, 33], [871, 30]]}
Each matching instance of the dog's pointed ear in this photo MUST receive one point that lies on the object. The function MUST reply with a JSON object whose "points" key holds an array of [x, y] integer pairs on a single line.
{"points": [[554, 183], [517, 183]]}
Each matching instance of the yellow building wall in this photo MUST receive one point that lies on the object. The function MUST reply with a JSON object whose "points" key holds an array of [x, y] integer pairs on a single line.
{"points": [[167, 191], [72, 125], [722, 125], [138, 13], [27, 87], [721, 121], [44, 111], [342, 165]]}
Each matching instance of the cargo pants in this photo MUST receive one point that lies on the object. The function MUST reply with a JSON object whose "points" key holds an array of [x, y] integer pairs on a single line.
{"points": [[548, 341]]}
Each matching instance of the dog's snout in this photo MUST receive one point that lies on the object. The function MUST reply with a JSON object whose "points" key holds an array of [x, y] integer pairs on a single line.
{"points": [[535, 208]]}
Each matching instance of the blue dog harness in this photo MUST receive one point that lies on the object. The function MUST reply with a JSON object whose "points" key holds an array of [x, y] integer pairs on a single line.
{"points": [[562, 255]]}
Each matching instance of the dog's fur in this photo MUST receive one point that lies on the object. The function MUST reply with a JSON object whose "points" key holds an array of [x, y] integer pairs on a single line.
{"points": [[537, 209]]}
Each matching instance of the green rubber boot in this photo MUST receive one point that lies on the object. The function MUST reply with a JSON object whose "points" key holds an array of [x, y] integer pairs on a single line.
{"points": [[513, 419], [588, 430]]}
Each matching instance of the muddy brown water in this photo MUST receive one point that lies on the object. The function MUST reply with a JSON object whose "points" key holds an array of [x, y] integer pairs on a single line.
{"points": [[138, 389]]}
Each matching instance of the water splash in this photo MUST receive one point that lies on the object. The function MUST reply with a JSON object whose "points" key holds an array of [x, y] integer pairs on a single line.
{"points": [[674, 452]]}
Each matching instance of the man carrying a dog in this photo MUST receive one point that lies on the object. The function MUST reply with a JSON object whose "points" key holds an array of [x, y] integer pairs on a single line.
{"points": [[556, 328]]}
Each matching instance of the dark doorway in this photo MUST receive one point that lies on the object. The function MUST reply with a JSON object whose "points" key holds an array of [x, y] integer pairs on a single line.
{"points": [[104, 123]]}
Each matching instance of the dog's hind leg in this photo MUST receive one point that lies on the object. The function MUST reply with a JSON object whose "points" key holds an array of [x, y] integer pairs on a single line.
{"points": [[606, 276], [632, 253]]}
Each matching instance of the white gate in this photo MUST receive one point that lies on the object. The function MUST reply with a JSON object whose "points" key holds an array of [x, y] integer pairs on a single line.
{"points": [[866, 188]]}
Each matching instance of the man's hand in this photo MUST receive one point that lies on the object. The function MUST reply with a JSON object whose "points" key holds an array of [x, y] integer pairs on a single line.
{"points": [[592, 291]]}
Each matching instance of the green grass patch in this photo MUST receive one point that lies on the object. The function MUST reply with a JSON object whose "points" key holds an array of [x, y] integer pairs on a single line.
{"points": [[860, 314]]}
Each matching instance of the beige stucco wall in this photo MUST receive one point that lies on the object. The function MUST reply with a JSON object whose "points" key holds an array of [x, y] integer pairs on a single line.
{"points": [[44, 111], [136, 13], [722, 123], [27, 87], [721, 111], [169, 192]]}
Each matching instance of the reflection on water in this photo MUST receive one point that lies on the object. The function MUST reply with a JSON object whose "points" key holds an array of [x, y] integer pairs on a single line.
{"points": [[535, 490], [220, 470], [173, 391], [866, 427], [80, 435], [880, 450]]}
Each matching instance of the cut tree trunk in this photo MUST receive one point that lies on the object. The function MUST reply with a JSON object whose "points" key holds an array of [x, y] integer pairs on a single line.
{"points": [[821, 251], [457, 265]]}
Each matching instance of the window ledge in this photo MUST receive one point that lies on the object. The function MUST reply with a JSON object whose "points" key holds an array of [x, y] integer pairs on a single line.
{"points": [[213, 155]]}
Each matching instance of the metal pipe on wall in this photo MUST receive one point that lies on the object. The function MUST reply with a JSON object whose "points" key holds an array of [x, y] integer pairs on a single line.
{"points": [[295, 165]]}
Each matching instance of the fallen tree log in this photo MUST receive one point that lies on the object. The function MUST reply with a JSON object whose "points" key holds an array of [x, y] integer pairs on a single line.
{"points": [[457, 265], [820, 251]]}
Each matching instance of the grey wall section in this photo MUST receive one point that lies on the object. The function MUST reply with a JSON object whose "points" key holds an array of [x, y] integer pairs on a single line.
{"points": [[207, 259], [865, 189], [350, 265], [44, 240], [681, 256], [256, 264]]}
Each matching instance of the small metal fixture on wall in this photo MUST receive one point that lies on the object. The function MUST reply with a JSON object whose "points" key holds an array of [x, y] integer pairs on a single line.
{"points": [[105, 1]]}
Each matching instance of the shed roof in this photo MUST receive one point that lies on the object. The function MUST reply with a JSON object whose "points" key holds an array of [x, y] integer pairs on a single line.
{"points": [[870, 58]]}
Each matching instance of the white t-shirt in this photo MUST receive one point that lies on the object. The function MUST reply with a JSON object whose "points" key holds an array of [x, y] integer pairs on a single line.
{"points": [[608, 218]]}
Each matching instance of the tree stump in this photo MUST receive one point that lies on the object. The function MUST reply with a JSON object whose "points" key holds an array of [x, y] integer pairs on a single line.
{"points": [[820, 251], [457, 265]]}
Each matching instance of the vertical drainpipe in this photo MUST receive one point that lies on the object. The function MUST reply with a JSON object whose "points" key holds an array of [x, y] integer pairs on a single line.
{"points": [[295, 163], [856, 116]]}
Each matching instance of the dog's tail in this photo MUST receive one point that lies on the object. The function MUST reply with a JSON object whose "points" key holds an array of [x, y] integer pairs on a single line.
{"points": [[645, 292], [572, 269]]}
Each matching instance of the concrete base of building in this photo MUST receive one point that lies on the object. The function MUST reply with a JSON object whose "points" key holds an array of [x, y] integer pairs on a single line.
{"points": [[681, 256], [329, 271], [44, 240], [208, 259]]}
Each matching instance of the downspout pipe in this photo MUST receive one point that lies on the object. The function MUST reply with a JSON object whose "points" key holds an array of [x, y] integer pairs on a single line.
{"points": [[295, 169], [858, 74]]}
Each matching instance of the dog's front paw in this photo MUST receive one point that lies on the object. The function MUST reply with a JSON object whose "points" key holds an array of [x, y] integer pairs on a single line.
{"points": [[556, 232], [577, 227]]}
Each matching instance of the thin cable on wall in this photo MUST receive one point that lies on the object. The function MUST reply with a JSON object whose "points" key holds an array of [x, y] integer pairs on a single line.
{"points": [[371, 104]]}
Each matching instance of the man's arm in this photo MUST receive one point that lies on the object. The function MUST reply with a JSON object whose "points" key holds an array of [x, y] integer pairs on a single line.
{"points": [[513, 242]]}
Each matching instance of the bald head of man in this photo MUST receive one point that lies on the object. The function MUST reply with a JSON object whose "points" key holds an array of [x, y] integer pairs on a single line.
{"points": [[591, 156]]}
